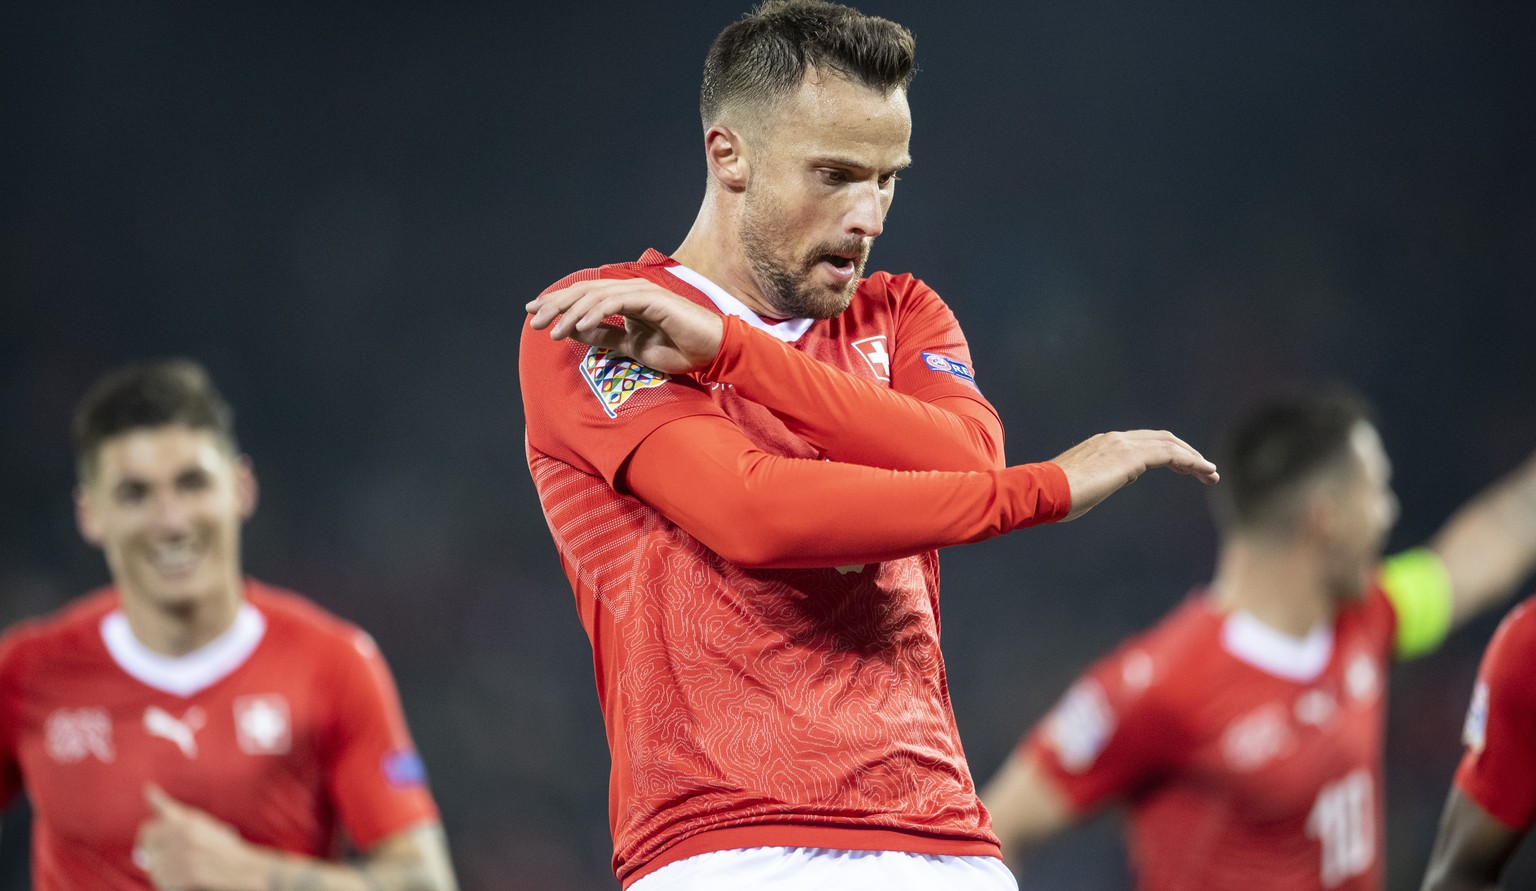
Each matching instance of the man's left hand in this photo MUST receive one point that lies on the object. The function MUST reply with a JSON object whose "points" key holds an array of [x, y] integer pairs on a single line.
{"points": [[186, 849]]}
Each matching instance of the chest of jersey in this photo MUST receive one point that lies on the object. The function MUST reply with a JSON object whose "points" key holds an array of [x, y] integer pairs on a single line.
{"points": [[857, 345], [1273, 746], [242, 750]]}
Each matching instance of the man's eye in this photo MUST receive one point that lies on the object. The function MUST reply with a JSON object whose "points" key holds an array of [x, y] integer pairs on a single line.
{"points": [[834, 177], [888, 179], [193, 482]]}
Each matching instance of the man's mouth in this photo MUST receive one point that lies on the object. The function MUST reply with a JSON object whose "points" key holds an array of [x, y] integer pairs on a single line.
{"points": [[174, 559]]}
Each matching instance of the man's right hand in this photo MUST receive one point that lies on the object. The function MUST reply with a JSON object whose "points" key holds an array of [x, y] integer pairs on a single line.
{"points": [[1102, 464], [661, 330]]}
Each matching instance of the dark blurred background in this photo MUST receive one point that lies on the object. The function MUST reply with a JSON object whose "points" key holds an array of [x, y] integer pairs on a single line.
{"points": [[1144, 214]]}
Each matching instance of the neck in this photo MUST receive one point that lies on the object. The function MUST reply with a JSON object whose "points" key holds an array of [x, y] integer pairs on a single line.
{"points": [[1278, 583], [713, 249], [180, 628]]}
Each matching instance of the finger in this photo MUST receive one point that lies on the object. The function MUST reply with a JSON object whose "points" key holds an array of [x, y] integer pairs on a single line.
{"points": [[1182, 457], [160, 804], [544, 310], [547, 307], [1186, 460], [572, 300]]}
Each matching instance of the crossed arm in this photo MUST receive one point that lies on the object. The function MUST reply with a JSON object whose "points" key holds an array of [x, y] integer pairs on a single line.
{"points": [[187, 849], [671, 334]]}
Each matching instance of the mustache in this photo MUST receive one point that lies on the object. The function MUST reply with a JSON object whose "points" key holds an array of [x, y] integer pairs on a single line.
{"points": [[857, 248]]}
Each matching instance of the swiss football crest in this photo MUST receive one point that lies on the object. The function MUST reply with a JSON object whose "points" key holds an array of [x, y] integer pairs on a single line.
{"points": [[614, 377], [263, 724], [874, 352]]}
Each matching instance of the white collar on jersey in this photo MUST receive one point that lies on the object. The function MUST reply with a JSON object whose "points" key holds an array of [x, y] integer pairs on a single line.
{"points": [[788, 331], [1293, 658], [197, 670]]}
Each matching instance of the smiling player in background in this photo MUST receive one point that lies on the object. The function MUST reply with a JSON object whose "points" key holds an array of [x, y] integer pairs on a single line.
{"points": [[228, 732]]}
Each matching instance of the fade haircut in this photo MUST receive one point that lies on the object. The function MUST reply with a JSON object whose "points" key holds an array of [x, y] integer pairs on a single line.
{"points": [[147, 395], [1278, 449], [764, 56]]}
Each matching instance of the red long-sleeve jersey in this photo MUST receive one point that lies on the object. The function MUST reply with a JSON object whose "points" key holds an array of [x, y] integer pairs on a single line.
{"points": [[751, 550]]}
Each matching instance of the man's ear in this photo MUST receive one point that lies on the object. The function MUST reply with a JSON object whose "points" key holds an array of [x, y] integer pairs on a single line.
{"points": [[725, 151], [1320, 513], [85, 518], [246, 490]]}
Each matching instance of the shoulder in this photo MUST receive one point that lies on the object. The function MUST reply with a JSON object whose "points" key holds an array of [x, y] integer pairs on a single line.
{"points": [[1156, 667], [1189, 633], [1514, 643], [1376, 612], [897, 287], [294, 618], [59, 629], [635, 269]]}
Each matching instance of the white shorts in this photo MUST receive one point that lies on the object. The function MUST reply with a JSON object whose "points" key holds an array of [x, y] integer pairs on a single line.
{"points": [[827, 869]]}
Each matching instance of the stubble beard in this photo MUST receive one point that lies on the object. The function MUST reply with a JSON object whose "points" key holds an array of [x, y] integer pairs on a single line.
{"points": [[790, 291]]}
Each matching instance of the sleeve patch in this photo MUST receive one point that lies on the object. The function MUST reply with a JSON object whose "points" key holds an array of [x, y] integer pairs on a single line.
{"points": [[1474, 733], [1081, 725], [614, 377], [403, 768], [955, 367]]}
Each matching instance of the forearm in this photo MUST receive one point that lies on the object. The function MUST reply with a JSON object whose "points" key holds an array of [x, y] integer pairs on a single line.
{"points": [[302, 874], [853, 420], [1489, 545], [414, 860], [761, 511]]}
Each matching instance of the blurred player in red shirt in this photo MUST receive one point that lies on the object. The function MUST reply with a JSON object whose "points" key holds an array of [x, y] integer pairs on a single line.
{"points": [[1492, 805], [748, 452], [188, 728], [1244, 732]]}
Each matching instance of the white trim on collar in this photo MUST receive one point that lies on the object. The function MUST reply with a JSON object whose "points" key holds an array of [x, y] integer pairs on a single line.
{"points": [[1293, 658], [788, 331], [197, 670]]}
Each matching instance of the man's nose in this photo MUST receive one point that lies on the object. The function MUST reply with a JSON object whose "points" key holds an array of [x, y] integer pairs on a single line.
{"points": [[866, 218]]}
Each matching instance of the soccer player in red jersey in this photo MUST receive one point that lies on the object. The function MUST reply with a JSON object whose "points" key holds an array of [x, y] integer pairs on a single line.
{"points": [[189, 728], [1492, 804], [1244, 732], [748, 452]]}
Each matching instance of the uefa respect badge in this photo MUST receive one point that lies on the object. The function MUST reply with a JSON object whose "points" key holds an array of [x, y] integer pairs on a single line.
{"points": [[615, 377]]}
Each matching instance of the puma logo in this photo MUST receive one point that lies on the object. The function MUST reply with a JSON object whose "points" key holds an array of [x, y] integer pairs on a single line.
{"points": [[159, 722]]}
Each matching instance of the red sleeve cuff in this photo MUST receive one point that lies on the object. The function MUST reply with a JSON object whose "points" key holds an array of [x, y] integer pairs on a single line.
{"points": [[1053, 494], [731, 333]]}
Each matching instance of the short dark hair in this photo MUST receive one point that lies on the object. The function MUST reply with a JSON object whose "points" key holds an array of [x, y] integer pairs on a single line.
{"points": [[149, 394], [1278, 446], [764, 55]]}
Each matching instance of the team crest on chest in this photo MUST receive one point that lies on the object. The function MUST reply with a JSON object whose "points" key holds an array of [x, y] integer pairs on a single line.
{"points": [[72, 735], [263, 724], [874, 352], [614, 377]]}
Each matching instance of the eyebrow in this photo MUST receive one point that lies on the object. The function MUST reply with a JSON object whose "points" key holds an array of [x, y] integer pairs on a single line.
{"points": [[826, 161]]}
